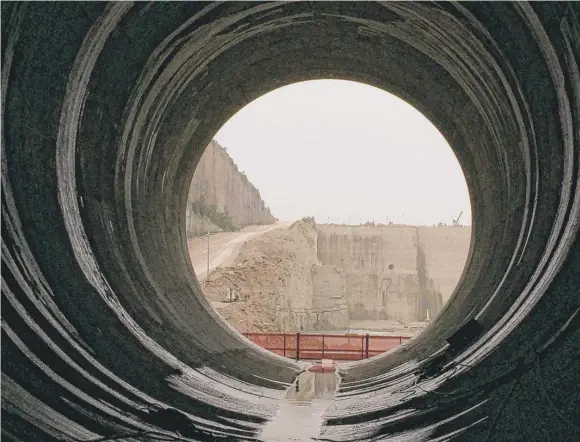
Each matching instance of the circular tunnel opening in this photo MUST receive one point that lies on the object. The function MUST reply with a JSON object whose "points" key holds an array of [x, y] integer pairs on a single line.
{"points": [[278, 254], [107, 109]]}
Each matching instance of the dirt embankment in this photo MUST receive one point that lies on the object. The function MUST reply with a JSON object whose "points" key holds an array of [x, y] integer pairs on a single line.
{"points": [[271, 276], [298, 277]]}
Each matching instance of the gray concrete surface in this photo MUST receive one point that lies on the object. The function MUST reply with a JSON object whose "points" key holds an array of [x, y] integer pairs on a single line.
{"points": [[106, 109]]}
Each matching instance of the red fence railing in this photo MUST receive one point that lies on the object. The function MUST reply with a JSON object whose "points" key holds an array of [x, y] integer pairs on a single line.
{"points": [[335, 347]]}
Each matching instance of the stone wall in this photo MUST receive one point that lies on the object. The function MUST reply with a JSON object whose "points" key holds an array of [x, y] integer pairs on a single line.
{"points": [[329, 300], [446, 250], [367, 248], [364, 297], [275, 276], [319, 278], [218, 182], [395, 272], [403, 298]]}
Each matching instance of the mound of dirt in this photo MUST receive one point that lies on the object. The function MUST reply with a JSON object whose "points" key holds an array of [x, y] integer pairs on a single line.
{"points": [[268, 282]]}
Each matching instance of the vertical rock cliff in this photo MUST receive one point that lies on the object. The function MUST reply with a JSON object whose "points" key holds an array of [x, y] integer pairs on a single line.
{"points": [[309, 277], [395, 272], [273, 276], [221, 197]]}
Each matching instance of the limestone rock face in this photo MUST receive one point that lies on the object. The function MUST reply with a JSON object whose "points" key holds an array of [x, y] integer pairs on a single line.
{"points": [[394, 272], [221, 197], [314, 278]]}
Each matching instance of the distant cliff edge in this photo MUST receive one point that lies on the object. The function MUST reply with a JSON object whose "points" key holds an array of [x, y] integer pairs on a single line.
{"points": [[221, 198]]}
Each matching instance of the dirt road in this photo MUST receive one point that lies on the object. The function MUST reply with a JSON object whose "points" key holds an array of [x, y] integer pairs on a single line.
{"points": [[224, 246]]}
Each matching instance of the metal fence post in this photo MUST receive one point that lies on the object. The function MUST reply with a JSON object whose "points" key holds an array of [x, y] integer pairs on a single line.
{"points": [[384, 343], [298, 346], [367, 345]]}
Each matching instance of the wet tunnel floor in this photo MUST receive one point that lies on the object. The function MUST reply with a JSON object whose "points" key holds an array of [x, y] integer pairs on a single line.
{"points": [[302, 410]]}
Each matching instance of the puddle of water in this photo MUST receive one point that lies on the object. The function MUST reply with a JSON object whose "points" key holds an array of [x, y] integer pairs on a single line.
{"points": [[301, 412]]}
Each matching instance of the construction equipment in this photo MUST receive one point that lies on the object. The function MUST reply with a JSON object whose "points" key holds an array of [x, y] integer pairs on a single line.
{"points": [[456, 221]]}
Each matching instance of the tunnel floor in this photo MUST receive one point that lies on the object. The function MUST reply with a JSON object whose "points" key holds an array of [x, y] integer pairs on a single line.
{"points": [[301, 413]]}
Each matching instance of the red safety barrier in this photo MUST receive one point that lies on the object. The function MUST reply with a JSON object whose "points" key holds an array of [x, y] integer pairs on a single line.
{"points": [[335, 347]]}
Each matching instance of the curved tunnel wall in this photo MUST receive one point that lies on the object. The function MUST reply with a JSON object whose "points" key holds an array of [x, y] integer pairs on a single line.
{"points": [[106, 109]]}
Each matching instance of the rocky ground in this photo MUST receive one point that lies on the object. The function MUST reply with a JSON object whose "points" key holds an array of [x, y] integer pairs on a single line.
{"points": [[262, 275], [272, 278]]}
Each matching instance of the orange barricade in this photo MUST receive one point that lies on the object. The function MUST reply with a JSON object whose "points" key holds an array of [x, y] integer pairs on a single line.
{"points": [[335, 347]]}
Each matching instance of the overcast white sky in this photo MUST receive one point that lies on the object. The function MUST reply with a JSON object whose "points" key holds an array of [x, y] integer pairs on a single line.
{"points": [[346, 152]]}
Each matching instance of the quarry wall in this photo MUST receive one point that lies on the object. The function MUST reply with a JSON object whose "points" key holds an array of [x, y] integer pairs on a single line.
{"points": [[319, 277], [395, 272], [273, 276], [446, 250], [329, 298], [228, 203], [371, 248]]}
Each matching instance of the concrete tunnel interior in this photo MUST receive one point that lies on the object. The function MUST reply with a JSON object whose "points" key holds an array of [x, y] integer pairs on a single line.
{"points": [[106, 108]]}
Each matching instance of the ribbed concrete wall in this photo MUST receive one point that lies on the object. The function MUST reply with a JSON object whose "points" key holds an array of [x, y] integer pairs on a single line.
{"points": [[106, 110]]}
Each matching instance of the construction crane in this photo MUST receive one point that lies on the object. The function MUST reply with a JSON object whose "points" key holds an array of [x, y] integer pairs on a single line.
{"points": [[456, 221]]}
